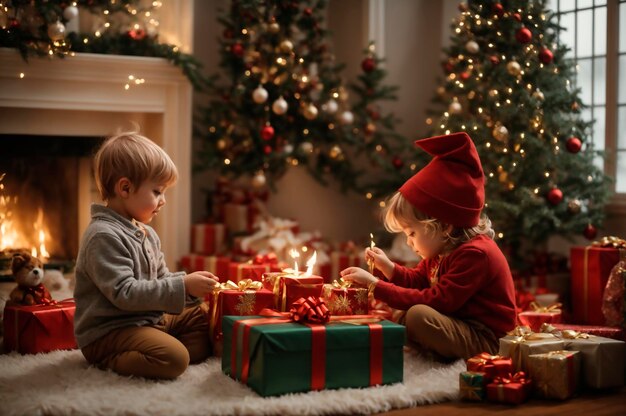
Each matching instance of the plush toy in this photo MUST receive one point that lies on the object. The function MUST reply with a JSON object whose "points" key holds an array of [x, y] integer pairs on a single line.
{"points": [[28, 274]]}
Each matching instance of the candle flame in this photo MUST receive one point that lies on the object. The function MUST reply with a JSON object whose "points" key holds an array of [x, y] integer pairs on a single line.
{"points": [[310, 264], [295, 254], [372, 243]]}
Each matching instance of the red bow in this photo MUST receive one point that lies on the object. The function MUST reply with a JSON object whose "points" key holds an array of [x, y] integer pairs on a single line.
{"points": [[311, 309], [269, 258], [519, 377], [39, 293]]}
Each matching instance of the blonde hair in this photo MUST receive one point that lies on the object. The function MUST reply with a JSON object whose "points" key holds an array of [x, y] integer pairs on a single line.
{"points": [[135, 157], [400, 214]]}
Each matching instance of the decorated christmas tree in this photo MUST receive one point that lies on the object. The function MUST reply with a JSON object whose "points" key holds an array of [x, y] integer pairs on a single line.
{"points": [[283, 103], [509, 84]]}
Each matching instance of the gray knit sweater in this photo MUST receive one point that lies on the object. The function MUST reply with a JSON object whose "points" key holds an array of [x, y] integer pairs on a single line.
{"points": [[121, 278]]}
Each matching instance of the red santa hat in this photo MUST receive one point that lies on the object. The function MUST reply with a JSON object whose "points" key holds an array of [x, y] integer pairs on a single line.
{"points": [[451, 188]]}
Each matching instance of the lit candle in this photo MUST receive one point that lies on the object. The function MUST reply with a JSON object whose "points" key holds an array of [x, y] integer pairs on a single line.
{"points": [[370, 261]]}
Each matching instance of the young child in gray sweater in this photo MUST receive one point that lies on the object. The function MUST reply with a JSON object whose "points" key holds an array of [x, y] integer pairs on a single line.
{"points": [[131, 313]]}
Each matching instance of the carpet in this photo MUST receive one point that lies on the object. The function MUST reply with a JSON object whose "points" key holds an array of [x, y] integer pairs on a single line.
{"points": [[61, 383]]}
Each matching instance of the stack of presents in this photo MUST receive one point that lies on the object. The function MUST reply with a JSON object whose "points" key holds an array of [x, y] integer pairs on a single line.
{"points": [[283, 329]]}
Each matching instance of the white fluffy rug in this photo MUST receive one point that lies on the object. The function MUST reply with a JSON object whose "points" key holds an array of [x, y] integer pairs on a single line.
{"points": [[61, 383]]}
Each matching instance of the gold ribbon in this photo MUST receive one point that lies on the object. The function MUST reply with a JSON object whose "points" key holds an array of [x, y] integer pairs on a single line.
{"points": [[471, 392], [522, 334], [546, 378], [279, 284], [341, 284], [565, 333], [242, 286], [610, 241], [555, 307]]}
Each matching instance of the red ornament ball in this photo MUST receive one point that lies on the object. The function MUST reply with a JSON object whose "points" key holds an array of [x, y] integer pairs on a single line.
{"points": [[397, 162], [14, 24], [523, 35], [368, 64], [574, 144], [555, 196], [494, 60], [590, 232], [498, 9], [267, 149], [546, 56], [464, 76], [267, 133], [448, 67], [308, 11], [237, 49], [517, 17]]}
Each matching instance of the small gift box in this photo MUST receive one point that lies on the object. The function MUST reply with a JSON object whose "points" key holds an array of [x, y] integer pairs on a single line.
{"points": [[540, 315], [556, 374], [208, 239], [270, 260], [239, 218], [248, 270], [492, 365], [472, 385], [39, 328], [513, 389], [522, 342], [288, 288], [246, 297], [345, 300], [218, 265]]}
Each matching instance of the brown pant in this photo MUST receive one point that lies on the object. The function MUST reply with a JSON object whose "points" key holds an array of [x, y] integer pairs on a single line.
{"points": [[445, 337], [159, 351]]}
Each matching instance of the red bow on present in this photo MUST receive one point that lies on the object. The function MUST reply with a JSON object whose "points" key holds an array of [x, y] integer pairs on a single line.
{"points": [[311, 309], [519, 377], [269, 258]]}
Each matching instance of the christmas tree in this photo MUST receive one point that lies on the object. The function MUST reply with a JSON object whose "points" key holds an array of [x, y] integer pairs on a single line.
{"points": [[508, 84], [284, 103]]}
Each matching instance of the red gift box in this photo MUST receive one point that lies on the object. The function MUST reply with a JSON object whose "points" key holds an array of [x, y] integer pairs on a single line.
{"points": [[540, 315], [591, 267], [513, 389], [270, 260], [240, 271], [218, 265], [492, 365], [345, 300], [208, 239], [239, 218], [39, 328], [325, 271], [288, 288], [600, 331]]}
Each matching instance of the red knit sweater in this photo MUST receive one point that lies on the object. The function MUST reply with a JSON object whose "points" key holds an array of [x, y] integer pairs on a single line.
{"points": [[474, 282]]}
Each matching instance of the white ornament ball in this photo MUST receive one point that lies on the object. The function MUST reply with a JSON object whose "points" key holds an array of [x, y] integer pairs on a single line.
{"points": [[288, 149], [455, 107], [259, 95], [307, 147], [513, 68], [310, 112], [56, 31], [472, 47], [286, 46], [331, 106], [280, 106], [346, 117], [70, 12], [259, 180]]}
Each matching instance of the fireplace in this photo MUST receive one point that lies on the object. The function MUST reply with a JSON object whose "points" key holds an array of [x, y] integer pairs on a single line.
{"points": [[67, 106]]}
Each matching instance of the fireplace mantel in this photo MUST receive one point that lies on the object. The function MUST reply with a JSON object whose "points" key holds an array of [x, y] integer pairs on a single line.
{"points": [[85, 95]]}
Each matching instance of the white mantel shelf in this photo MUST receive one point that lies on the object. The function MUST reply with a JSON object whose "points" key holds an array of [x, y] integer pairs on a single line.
{"points": [[84, 95]]}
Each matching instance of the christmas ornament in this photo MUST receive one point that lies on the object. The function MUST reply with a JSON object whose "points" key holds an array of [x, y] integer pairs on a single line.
{"points": [[288, 149], [280, 106], [574, 206], [273, 27], [574, 144], [56, 31], [368, 64], [546, 56], [448, 67], [267, 149], [330, 106], [517, 17], [137, 34], [370, 128], [555, 196], [494, 60], [259, 95], [221, 144], [493, 93], [267, 133], [310, 112], [513, 68], [500, 132], [590, 232], [498, 9], [575, 106], [346, 117], [472, 47], [237, 49], [455, 107], [335, 152], [70, 12], [306, 147], [397, 162], [538, 95], [523, 35], [259, 180], [286, 46]]}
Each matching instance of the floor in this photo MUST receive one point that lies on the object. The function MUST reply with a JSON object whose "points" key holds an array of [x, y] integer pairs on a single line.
{"points": [[596, 404]]}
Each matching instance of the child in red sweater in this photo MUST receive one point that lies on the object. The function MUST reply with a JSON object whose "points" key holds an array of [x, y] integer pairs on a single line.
{"points": [[460, 299]]}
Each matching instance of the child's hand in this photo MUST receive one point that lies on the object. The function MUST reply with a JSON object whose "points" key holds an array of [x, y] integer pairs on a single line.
{"points": [[200, 283], [381, 261], [358, 276]]}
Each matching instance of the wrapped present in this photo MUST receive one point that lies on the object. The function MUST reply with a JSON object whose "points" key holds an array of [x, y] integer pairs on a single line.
{"points": [[591, 267], [540, 315], [270, 260], [342, 299], [472, 385], [218, 265], [279, 355], [248, 270], [491, 365], [39, 328], [556, 374], [512, 389], [208, 239], [614, 298], [288, 288], [522, 342], [247, 297], [600, 331], [240, 218]]}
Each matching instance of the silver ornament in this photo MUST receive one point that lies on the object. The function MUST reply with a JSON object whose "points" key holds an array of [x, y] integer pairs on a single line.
{"points": [[259, 95]]}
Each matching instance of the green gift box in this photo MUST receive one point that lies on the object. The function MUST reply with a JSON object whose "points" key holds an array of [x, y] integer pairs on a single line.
{"points": [[275, 356], [472, 385]]}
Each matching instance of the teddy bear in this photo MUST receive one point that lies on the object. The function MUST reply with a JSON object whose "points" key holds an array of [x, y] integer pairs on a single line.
{"points": [[28, 274]]}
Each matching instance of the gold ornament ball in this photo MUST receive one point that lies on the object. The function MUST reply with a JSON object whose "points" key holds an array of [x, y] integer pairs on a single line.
{"points": [[259, 180], [472, 47], [514, 68], [56, 31], [493, 93], [370, 128], [500, 132], [273, 27], [307, 147], [221, 144], [335, 152], [538, 95], [310, 112], [286, 46], [455, 107], [574, 206]]}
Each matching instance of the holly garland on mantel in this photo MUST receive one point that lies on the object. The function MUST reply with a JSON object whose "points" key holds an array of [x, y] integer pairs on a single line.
{"points": [[121, 27]]}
